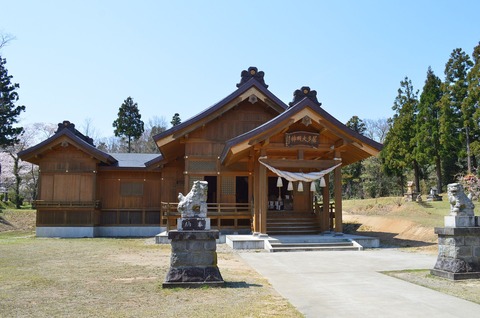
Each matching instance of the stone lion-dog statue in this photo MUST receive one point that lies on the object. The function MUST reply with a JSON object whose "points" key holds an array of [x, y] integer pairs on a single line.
{"points": [[460, 204], [194, 204]]}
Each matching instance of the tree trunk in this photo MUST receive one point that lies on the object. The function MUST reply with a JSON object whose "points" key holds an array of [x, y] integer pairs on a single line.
{"points": [[416, 172], [402, 182], [469, 162], [438, 168], [16, 173]]}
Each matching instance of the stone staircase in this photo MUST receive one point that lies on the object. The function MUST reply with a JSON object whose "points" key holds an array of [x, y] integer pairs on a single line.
{"points": [[291, 223]]}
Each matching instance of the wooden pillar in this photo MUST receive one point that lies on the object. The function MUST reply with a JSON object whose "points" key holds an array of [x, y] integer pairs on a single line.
{"points": [[262, 199], [256, 197], [338, 198], [325, 222]]}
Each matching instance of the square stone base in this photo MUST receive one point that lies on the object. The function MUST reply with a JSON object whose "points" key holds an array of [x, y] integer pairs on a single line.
{"points": [[192, 284], [193, 262], [455, 276], [193, 276], [458, 252]]}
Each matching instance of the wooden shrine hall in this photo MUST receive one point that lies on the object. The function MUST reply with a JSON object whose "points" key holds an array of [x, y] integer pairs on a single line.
{"points": [[269, 167]]}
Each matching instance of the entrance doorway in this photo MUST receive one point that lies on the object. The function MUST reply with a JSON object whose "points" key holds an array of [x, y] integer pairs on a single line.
{"points": [[241, 189], [212, 189], [279, 198]]}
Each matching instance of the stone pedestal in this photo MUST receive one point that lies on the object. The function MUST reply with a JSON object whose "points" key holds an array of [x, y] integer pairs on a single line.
{"points": [[458, 253], [193, 261], [410, 197]]}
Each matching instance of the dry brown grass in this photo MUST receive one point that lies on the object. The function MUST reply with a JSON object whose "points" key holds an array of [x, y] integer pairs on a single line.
{"points": [[465, 289], [121, 278]]}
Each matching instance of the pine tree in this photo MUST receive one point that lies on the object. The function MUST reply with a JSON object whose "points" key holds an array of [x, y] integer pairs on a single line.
{"points": [[456, 117], [8, 111], [398, 152], [128, 124], [176, 120], [427, 138], [473, 97], [351, 174]]}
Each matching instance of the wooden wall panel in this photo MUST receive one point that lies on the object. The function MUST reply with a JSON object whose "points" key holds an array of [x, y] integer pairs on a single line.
{"points": [[46, 187], [152, 192], [66, 187], [87, 186], [129, 189]]}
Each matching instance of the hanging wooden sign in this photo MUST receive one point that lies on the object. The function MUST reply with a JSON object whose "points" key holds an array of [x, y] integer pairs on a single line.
{"points": [[302, 138]]}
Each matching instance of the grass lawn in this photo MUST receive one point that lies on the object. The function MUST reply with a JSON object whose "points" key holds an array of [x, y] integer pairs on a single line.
{"points": [[105, 277]]}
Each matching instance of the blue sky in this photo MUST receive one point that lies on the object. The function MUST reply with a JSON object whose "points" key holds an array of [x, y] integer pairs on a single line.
{"points": [[78, 60]]}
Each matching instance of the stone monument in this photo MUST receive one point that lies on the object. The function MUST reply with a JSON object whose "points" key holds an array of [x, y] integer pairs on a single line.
{"points": [[433, 195], [410, 195], [459, 240], [193, 262]]}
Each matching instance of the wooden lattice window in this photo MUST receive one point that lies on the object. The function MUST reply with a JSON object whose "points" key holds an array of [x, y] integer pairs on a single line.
{"points": [[192, 179], [152, 217], [202, 166], [130, 217], [228, 185], [108, 217], [131, 189]]}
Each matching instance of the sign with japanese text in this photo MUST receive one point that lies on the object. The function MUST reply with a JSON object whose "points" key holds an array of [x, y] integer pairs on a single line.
{"points": [[302, 138]]}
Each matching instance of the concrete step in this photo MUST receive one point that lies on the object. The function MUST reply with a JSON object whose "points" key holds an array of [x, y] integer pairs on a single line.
{"points": [[286, 223], [297, 247], [322, 244]]}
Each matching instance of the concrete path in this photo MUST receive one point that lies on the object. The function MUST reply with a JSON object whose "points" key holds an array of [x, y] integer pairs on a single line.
{"points": [[348, 284]]}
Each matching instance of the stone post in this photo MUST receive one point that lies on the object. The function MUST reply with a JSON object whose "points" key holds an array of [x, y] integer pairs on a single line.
{"points": [[193, 262], [459, 241]]}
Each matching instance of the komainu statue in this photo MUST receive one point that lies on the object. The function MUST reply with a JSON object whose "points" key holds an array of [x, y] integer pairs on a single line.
{"points": [[194, 204], [460, 204]]}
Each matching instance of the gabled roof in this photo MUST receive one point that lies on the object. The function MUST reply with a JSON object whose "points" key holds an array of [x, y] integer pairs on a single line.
{"points": [[32, 154], [250, 87], [305, 107]]}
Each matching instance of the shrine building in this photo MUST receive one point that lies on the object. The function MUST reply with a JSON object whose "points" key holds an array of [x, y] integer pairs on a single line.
{"points": [[269, 167]]}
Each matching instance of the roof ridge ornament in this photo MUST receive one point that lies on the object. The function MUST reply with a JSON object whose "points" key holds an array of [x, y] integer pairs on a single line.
{"points": [[71, 126], [252, 72], [303, 92]]}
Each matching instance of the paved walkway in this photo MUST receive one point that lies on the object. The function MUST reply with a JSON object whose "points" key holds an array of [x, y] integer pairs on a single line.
{"points": [[348, 284]]}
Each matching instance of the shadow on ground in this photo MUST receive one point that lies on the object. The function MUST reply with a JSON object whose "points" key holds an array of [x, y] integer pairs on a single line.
{"points": [[425, 204], [240, 285], [388, 239], [3, 221]]}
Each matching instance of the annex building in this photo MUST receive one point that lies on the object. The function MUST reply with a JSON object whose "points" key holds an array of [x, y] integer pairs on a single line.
{"points": [[271, 168]]}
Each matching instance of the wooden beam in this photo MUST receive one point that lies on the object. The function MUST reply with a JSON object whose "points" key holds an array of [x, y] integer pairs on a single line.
{"points": [[281, 145], [300, 154], [295, 163], [269, 133]]}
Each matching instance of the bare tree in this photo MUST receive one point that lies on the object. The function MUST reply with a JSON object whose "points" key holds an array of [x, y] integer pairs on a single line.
{"points": [[154, 126], [89, 129], [376, 129], [17, 174], [5, 38]]}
